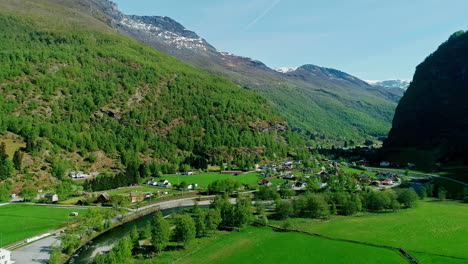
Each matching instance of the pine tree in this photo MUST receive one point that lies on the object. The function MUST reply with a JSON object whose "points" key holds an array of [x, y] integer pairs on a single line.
{"points": [[18, 159], [185, 230]]}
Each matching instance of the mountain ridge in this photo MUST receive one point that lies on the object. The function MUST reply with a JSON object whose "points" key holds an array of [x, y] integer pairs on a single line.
{"points": [[353, 108]]}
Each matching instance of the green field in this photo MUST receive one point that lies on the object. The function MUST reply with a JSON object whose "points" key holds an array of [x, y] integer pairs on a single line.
{"points": [[432, 227], [358, 171], [263, 245], [204, 179], [138, 189], [12, 146], [20, 221]]}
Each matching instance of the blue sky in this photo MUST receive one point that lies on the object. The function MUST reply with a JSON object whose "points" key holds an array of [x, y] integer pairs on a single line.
{"points": [[371, 39]]}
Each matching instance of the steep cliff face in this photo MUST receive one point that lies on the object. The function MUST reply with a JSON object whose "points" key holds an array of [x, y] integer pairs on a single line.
{"points": [[433, 113]]}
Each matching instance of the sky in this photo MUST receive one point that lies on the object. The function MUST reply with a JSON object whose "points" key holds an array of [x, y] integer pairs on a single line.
{"points": [[371, 39]]}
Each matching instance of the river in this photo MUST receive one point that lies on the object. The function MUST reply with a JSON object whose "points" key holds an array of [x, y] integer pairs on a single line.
{"points": [[106, 240]]}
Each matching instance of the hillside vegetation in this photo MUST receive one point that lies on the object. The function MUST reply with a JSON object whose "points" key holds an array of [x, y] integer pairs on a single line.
{"points": [[68, 89], [328, 106]]}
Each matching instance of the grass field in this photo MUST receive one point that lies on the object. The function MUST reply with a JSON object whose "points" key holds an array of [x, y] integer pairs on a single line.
{"points": [[263, 245], [432, 227], [12, 145], [20, 221], [358, 171], [206, 178]]}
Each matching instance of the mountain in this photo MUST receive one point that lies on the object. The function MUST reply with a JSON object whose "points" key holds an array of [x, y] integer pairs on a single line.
{"points": [[432, 117], [330, 106], [402, 84], [83, 97]]}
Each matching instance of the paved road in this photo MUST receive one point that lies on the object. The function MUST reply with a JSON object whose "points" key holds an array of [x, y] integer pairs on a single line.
{"points": [[37, 252]]}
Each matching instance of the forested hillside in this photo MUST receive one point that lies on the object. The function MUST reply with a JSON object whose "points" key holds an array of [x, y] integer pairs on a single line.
{"points": [[431, 121], [328, 106], [82, 90]]}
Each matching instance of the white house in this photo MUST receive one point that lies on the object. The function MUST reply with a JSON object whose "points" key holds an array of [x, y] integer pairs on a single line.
{"points": [[5, 257], [152, 182], [164, 183], [384, 164], [189, 173], [192, 186]]}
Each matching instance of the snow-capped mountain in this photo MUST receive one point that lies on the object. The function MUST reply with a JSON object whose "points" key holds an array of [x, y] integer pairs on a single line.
{"points": [[305, 95], [402, 84]]}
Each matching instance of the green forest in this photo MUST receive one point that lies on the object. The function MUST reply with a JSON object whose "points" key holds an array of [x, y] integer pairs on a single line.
{"points": [[85, 90]]}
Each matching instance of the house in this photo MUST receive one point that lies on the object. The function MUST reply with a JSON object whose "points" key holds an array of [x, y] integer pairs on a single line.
{"points": [[136, 197], [300, 185], [387, 181], [152, 182], [103, 198], [164, 183], [192, 186], [51, 197], [73, 214], [376, 183], [289, 177], [265, 182], [5, 257], [384, 164], [189, 173]]}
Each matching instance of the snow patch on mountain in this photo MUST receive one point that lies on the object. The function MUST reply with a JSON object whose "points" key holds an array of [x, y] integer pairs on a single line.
{"points": [[177, 40], [403, 84], [286, 69]]}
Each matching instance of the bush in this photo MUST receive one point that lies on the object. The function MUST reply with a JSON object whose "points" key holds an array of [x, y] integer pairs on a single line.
{"points": [[407, 197]]}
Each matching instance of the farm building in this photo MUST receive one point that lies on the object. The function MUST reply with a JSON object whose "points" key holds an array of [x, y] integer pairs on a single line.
{"points": [[51, 197], [137, 197], [103, 198]]}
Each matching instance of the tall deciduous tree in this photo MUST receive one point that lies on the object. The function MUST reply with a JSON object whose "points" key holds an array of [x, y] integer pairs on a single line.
{"points": [[185, 230], [161, 232]]}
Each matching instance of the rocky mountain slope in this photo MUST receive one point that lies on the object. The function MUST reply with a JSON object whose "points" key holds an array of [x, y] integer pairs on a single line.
{"points": [[402, 84], [432, 116], [328, 105]]}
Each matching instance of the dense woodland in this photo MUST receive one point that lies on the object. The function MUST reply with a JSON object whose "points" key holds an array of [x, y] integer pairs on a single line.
{"points": [[84, 91]]}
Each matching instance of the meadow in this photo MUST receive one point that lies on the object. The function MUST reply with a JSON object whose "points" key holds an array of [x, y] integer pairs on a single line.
{"points": [[203, 179], [432, 228], [21, 221], [11, 145], [263, 245]]}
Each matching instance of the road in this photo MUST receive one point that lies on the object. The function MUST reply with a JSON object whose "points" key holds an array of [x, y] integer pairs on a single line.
{"points": [[39, 251], [418, 176]]}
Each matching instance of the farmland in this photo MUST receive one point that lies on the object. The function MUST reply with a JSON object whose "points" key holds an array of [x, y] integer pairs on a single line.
{"points": [[263, 245], [204, 179], [20, 221], [429, 228]]}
